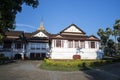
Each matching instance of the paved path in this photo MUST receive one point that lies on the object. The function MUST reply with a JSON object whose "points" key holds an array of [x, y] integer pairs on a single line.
{"points": [[28, 70]]}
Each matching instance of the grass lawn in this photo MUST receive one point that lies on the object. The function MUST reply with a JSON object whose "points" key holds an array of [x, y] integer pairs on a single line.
{"points": [[73, 65]]}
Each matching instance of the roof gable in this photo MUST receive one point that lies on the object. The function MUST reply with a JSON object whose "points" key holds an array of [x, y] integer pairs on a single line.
{"points": [[40, 34], [72, 29], [92, 37]]}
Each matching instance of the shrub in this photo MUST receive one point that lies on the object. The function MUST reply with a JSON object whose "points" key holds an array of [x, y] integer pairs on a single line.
{"points": [[73, 65], [3, 58], [1, 55]]}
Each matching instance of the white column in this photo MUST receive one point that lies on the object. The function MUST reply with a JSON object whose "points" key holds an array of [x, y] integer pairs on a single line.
{"points": [[23, 50], [13, 47], [86, 44], [73, 44], [65, 44]]}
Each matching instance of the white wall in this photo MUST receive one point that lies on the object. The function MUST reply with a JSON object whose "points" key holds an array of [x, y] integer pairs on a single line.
{"points": [[67, 53]]}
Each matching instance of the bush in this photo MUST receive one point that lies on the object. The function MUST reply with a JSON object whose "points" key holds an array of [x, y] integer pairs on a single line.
{"points": [[73, 65], [1, 55], [3, 58]]}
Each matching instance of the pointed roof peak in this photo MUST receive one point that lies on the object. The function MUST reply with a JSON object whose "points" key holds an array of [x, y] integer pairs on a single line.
{"points": [[74, 25], [41, 27]]}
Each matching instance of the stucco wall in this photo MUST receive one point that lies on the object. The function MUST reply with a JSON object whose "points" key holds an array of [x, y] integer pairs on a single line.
{"points": [[67, 53]]}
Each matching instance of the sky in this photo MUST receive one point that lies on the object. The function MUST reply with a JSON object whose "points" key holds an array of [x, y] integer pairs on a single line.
{"points": [[88, 15]]}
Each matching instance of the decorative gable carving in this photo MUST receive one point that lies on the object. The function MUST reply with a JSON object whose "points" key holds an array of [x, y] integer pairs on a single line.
{"points": [[40, 34], [73, 29], [58, 36], [92, 38]]}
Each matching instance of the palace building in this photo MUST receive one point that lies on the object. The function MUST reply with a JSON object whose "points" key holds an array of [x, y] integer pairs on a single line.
{"points": [[41, 44]]}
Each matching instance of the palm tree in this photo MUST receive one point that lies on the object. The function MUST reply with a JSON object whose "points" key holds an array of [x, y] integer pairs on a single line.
{"points": [[115, 34], [111, 47], [100, 32], [104, 36], [117, 26], [108, 32]]}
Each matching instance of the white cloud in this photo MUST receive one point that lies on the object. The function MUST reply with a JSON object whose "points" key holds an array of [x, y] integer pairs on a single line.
{"points": [[24, 25]]}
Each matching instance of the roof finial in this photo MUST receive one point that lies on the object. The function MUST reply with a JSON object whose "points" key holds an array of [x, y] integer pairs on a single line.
{"points": [[41, 25]]}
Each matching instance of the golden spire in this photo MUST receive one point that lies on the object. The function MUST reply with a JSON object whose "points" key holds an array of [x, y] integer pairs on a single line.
{"points": [[41, 26]]}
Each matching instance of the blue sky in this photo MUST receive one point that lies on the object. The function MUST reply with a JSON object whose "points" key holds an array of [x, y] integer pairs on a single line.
{"points": [[89, 15]]}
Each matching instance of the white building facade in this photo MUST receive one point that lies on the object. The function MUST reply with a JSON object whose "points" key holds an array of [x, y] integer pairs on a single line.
{"points": [[41, 44], [74, 41]]}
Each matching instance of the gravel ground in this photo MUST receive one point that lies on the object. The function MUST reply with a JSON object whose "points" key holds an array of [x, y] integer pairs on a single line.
{"points": [[28, 70]]}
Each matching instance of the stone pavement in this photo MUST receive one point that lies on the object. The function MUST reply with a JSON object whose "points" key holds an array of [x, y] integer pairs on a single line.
{"points": [[28, 70]]}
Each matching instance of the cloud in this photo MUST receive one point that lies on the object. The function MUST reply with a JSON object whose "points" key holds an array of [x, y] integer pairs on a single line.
{"points": [[24, 25]]}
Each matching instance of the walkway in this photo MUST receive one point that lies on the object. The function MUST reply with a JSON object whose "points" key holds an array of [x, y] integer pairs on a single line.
{"points": [[28, 70]]}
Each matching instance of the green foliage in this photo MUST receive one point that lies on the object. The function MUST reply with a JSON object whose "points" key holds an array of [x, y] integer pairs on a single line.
{"points": [[118, 39], [3, 58], [2, 55], [104, 36], [117, 28], [72, 65], [117, 24], [110, 50], [8, 11], [108, 45]]}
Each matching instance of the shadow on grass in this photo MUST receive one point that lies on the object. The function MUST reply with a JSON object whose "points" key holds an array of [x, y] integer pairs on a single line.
{"points": [[95, 72], [3, 62], [83, 67]]}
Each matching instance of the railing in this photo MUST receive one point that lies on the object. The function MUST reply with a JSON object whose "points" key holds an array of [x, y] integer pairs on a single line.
{"points": [[5, 49]]}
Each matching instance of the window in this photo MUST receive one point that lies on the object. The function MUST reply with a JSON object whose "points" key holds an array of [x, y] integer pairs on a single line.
{"points": [[70, 43], [18, 45], [58, 43], [7, 45], [32, 48], [76, 44], [37, 48], [43, 48], [92, 44], [82, 44]]}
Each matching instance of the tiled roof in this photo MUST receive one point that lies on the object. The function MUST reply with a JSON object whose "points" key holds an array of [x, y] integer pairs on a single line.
{"points": [[60, 35], [27, 35], [14, 33]]}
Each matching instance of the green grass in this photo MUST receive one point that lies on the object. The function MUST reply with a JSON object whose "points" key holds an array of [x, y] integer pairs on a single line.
{"points": [[72, 65]]}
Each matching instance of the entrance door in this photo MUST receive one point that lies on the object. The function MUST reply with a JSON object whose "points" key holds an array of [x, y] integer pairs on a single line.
{"points": [[17, 56], [32, 55]]}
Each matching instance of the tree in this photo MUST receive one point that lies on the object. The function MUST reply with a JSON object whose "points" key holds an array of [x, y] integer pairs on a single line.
{"points": [[8, 11], [115, 34], [108, 45], [116, 27], [111, 47], [117, 24], [104, 36], [103, 40]]}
